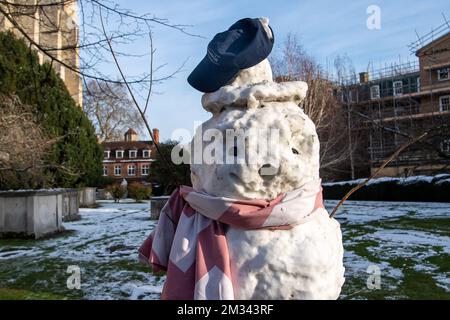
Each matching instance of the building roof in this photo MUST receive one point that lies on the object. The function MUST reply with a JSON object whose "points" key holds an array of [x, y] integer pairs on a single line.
{"points": [[127, 145], [442, 38], [131, 131]]}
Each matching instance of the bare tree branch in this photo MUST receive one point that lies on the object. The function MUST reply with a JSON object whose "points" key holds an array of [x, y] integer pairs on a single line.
{"points": [[119, 68], [385, 163]]}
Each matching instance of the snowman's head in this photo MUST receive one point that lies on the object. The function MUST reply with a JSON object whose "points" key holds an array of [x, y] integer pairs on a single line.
{"points": [[292, 160], [260, 73]]}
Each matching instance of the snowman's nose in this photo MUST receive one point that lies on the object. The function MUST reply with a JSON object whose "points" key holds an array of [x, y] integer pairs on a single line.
{"points": [[268, 170]]}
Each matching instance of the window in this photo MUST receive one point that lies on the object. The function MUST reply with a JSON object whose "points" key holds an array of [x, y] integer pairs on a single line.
{"points": [[375, 92], [133, 153], [445, 145], [117, 170], [132, 170], [105, 170], [106, 154], [418, 84], [443, 74], [119, 153], [444, 103], [145, 169], [146, 153], [351, 96], [398, 88]]}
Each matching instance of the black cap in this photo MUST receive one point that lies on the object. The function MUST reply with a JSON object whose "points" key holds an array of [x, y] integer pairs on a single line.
{"points": [[243, 45]]}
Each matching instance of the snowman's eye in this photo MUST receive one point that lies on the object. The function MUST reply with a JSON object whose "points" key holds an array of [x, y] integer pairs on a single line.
{"points": [[294, 151]]}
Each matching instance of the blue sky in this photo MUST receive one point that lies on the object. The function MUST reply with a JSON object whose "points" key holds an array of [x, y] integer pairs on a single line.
{"points": [[325, 28]]}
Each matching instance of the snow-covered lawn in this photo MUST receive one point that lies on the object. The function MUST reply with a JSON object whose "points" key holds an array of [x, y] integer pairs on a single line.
{"points": [[408, 242], [103, 244]]}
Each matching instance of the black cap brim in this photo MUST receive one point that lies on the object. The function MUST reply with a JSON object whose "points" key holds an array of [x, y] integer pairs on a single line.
{"points": [[209, 77]]}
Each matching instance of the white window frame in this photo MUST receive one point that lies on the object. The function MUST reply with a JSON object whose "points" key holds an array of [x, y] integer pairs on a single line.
{"points": [[145, 169], [377, 96], [351, 98], [108, 154], [121, 154], [134, 152], [117, 170], [439, 74], [395, 88], [131, 170], [445, 145], [441, 106], [144, 152], [105, 171]]}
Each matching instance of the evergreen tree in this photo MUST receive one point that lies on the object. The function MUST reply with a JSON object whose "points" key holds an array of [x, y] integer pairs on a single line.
{"points": [[166, 176], [76, 152]]}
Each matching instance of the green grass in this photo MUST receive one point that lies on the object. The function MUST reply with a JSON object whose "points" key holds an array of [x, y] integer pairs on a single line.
{"points": [[416, 282], [20, 294], [435, 225], [408, 271]]}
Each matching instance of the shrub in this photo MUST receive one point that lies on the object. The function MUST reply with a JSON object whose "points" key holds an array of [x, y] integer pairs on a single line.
{"points": [[139, 192], [117, 191]]}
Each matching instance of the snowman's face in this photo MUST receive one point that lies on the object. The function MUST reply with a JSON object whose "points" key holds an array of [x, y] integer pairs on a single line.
{"points": [[292, 158]]}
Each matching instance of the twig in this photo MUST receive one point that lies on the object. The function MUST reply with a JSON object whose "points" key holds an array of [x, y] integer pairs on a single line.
{"points": [[152, 51], [119, 68], [11, 10], [385, 163]]}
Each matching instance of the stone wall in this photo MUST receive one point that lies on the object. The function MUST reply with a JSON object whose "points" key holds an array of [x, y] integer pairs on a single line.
{"points": [[31, 213], [156, 204], [87, 197], [52, 27], [70, 205]]}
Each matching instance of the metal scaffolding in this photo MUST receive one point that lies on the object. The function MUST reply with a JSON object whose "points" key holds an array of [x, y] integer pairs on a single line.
{"points": [[389, 105]]}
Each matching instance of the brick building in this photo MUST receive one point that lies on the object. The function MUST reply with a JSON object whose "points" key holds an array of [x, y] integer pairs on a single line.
{"points": [[129, 159], [387, 107], [54, 27]]}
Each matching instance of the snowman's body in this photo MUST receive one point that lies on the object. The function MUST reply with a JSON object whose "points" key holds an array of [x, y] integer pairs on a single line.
{"points": [[305, 262], [302, 263]]}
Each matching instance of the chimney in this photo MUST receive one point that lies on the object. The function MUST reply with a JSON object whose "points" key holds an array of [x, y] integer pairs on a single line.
{"points": [[131, 135], [156, 136], [363, 77]]}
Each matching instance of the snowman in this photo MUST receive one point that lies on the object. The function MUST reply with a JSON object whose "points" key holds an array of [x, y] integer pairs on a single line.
{"points": [[296, 251]]}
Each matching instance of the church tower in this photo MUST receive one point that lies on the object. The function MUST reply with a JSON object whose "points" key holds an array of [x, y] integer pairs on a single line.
{"points": [[52, 27]]}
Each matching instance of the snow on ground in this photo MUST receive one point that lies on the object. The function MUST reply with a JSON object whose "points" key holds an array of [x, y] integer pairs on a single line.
{"points": [[408, 242], [437, 179], [103, 244]]}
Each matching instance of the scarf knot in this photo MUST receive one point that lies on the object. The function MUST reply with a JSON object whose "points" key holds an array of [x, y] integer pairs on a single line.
{"points": [[189, 241]]}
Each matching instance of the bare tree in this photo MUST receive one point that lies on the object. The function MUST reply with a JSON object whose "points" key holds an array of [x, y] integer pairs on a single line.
{"points": [[110, 109], [321, 104], [84, 37], [105, 30], [24, 145]]}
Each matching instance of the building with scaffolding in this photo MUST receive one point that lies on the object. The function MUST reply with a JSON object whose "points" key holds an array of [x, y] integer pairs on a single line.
{"points": [[388, 107]]}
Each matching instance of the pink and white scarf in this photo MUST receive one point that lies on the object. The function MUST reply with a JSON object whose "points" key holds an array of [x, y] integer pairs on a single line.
{"points": [[190, 244]]}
